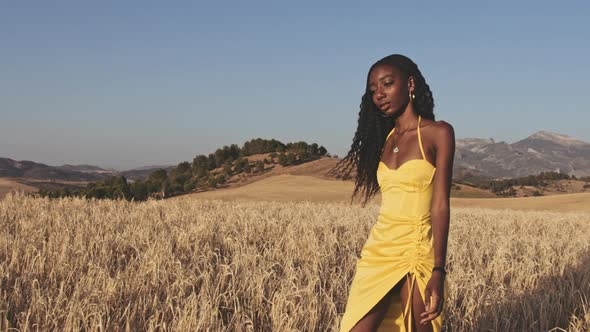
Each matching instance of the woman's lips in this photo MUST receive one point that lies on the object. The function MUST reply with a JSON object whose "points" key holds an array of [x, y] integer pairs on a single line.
{"points": [[384, 106]]}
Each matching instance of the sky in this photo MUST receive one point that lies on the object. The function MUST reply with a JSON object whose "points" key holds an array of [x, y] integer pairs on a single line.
{"points": [[124, 84]]}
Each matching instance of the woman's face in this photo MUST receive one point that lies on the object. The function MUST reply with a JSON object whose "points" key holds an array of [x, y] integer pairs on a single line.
{"points": [[389, 88]]}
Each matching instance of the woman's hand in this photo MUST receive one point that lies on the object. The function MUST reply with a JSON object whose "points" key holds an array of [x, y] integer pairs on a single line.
{"points": [[434, 287]]}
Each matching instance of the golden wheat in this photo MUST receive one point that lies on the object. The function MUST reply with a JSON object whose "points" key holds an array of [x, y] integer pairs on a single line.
{"points": [[209, 265]]}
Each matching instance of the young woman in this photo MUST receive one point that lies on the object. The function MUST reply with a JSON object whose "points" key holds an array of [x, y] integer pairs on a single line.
{"points": [[400, 150]]}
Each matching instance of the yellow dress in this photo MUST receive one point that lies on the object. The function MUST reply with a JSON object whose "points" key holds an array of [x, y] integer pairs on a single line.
{"points": [[400, 244]]}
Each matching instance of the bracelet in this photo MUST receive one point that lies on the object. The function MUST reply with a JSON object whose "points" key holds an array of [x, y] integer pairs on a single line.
{"points": [[440, 268]]}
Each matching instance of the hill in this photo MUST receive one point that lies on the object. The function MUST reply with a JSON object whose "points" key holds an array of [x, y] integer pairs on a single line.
{"points": [[33, 170], [8, 185], [289, 187], [543, 151]]}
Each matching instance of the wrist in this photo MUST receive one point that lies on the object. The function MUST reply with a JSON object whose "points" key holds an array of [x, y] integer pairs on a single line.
{"points": [[439, 270]]}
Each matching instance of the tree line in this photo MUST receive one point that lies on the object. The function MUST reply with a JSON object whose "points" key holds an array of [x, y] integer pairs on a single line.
{"points": [[204, 172], [505, 187]]}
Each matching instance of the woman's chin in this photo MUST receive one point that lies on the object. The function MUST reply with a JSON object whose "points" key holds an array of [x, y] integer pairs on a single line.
{"points": [[388, 112]]}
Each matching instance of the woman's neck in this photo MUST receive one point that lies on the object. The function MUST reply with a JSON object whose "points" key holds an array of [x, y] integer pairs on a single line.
{"points": [[407, 120]]}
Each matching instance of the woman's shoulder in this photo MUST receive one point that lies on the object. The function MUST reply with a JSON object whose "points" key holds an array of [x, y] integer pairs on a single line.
{"points": [[441, 130]]}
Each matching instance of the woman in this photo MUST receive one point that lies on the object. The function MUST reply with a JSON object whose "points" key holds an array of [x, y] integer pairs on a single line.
{"points": [[399, 149]]}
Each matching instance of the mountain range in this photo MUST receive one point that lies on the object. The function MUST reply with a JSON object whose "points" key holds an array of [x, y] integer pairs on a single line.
{"points": [[542, 151], [34, 170]]}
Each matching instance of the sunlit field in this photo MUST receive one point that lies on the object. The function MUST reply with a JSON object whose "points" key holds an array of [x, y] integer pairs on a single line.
{"points": [[211, 265]]}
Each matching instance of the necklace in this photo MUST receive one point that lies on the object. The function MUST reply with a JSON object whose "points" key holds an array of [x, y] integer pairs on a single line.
{"points": [[396, 149]]}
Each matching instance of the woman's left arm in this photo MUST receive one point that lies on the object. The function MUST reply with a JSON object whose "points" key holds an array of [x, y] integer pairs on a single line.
{"points": [[441, 195], [444, 138]]}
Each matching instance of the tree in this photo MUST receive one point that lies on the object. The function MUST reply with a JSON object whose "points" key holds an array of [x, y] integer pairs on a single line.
{"points": [[221, 155], [189, 186], [247, 167], [140, 191], [200, 166], [238, 165], [180, 175], [305, 156], [313, 149], [291, 158], [234, 152], [282, 159], [212, 182], [227, 166], [183, 168], [211, 164]]}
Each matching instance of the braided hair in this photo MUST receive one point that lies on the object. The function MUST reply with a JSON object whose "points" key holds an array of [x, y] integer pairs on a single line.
{"points": [[372, 129]]}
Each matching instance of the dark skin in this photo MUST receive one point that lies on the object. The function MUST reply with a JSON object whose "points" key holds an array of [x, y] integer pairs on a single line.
{"points": [[390, 92]]}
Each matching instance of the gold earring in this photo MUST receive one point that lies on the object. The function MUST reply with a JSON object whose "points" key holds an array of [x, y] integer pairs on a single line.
{"points": [[412, 96]]}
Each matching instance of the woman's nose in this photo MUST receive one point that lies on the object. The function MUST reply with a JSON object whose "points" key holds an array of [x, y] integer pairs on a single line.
{"points": [[379, 94]]}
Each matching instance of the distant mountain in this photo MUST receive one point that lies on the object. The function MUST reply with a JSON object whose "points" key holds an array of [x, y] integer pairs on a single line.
{"points": [[147, 168], [33, 170], [85, 169], [542, 151]]}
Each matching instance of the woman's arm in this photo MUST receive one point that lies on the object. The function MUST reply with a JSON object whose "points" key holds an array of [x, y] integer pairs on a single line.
{"points": [[444, 138], [440, 209]]}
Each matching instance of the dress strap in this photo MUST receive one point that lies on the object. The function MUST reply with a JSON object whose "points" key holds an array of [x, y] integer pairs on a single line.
{"points": [[420, 139], [391, 132]]}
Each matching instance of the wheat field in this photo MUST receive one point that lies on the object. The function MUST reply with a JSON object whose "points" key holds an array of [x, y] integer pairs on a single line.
{"points": [[212, 265]]}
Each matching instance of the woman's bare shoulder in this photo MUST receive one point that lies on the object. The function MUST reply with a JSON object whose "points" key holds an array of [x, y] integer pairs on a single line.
{"points": [[439, 130], [440, 127], [442, 131]]}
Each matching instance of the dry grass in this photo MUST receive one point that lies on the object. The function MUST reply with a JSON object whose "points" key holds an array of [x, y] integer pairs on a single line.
{"points": [[210, 265], [579, 202], [7, 185], [289, 187], [285, 187]]}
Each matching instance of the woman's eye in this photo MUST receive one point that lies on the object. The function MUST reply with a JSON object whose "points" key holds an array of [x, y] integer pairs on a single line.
{"points": [[388, 83]]}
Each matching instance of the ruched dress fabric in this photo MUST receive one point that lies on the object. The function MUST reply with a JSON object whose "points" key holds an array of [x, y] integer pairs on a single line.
{"points": [[400, 244]]}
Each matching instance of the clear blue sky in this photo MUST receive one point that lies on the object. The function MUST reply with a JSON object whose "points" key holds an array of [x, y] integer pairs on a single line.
{"points": [[126, 84]]}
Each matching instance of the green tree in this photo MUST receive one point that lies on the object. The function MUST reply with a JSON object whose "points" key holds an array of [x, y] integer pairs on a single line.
{"points": [[139, 190], [283, 159], [227, 166], [211, 164], [188, 186], [212, 182], [238, 165], [291, 158], [247, 168], [200, 166], [305, 156]]}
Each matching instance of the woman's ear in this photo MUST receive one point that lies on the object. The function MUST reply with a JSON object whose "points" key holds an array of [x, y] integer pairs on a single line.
{"points": [[411, 83]]}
